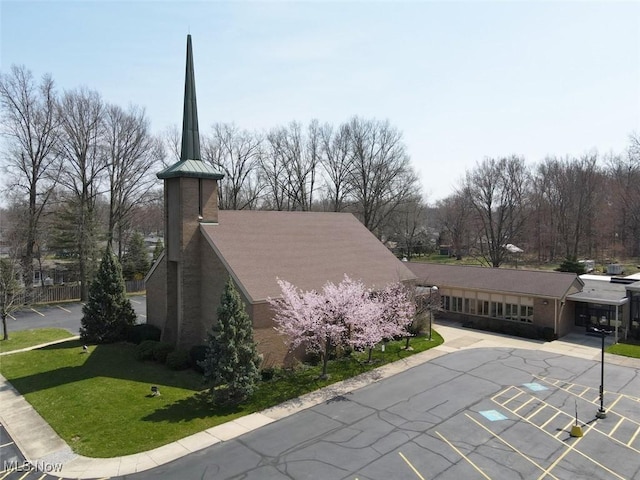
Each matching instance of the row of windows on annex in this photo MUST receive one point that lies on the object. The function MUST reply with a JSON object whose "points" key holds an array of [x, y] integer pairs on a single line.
{"points": [[503, 307], [634, 307]]}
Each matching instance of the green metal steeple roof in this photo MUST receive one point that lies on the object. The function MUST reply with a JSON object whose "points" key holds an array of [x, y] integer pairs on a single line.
{"points": [[190, 133], [190, 164]]}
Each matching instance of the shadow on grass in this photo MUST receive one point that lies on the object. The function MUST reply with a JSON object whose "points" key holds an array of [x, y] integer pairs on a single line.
{"points": [[66, 362], [71, 344], [193, 407]]}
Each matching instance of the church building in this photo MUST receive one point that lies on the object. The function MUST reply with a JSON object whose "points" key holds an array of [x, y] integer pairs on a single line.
{"points": [[204, 246]]}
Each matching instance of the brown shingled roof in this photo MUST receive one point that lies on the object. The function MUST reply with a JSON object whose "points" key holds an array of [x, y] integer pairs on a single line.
{"points": [[528, 282], [306, 249]]}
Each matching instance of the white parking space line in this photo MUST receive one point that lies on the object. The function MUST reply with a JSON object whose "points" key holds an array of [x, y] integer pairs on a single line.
{"points": [[62, 308], [496, 436], [633, 437], [6, 444], [455, 449], [135, 301], [34, 310], [415, 470]]}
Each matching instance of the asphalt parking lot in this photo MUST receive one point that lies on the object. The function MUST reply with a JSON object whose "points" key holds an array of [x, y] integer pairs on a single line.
{"points": [[64, 315], [472, 414]]}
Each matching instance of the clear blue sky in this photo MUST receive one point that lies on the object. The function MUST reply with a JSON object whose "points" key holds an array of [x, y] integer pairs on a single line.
{"points": [[461, 80]]}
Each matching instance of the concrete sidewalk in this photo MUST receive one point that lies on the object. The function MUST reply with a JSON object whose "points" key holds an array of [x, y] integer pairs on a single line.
{"points": [[40, 444]]}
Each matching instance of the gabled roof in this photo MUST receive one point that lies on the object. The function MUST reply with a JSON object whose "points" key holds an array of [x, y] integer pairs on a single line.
{"points": [[534, 283], [306, 249]]}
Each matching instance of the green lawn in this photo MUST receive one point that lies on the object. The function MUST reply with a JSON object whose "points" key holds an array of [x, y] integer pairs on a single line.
{"points": [[624, 349], [30, 338], [99, 401]]}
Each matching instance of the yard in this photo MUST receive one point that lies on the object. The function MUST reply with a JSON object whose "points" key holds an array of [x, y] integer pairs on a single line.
{"points": [[99, 402], [624, 349], [29, 338]]}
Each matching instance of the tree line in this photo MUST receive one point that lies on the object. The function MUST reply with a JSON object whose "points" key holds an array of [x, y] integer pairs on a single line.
{"points": [[80, 175], [560, 208], [81, 172]]}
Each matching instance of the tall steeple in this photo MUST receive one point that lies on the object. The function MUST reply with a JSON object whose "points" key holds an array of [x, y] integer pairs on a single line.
{"points": [[190, 135], [190, 164], [190, 200]]}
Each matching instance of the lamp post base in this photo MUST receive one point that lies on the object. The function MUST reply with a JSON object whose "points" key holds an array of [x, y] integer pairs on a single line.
{"points": [[601, 414], [576, 431]]}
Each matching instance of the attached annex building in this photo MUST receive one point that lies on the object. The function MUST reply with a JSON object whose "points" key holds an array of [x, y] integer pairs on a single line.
{"points": [[533, 303]]}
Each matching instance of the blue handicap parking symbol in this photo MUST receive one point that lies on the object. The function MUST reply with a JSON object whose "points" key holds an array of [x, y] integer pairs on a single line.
{"points": [[535, 387], [493, 415]]}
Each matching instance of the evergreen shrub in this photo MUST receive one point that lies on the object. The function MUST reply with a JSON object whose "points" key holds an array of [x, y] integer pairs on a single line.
{"points": [[161, 350], [178, 360], [143, 331], [144, 351], [197, 354]]}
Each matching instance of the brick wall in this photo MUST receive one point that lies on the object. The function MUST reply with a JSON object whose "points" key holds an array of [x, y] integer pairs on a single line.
{"points": [[271, 344], [157, 295]]}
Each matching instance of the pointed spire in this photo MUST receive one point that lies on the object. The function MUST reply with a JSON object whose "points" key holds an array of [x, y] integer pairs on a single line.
{"points": [[190, 164], [190, 134]]}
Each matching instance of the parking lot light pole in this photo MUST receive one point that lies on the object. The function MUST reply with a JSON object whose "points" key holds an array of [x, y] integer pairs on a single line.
{"points": [[601, 413]]}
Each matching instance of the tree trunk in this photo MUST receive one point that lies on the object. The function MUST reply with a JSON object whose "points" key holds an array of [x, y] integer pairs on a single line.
{"points": [[325, 358], [5, 332]]}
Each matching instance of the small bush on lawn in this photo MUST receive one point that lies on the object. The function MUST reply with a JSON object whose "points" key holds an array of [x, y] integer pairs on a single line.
{"points": [[178, 360], [267, 374], [161, 350], [197, 354], [141, 332], [144, 351]]}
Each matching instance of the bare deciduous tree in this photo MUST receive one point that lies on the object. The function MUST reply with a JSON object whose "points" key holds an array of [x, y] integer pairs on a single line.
{"points": [[131, 153], [572, 191], [81, 114], [407, 225], [10, 289], [235, 153], [381, 176], [172, 142], [31, 126], [336, 160], [290, 166], [454, 213], [497, 190], [624, 171]]}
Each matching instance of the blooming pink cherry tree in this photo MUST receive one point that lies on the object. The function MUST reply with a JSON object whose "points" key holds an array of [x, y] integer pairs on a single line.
{"points": [[306, 318], [389, 314], [344, 314]]}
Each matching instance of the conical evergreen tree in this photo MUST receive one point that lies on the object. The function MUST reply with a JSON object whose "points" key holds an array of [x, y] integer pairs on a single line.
{"points": [[108, 312], [157, 251], [231, 364], [135, 263]]}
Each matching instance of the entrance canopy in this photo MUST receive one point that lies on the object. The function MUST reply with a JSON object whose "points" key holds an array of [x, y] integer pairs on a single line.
{"points": [[602, 292]]}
